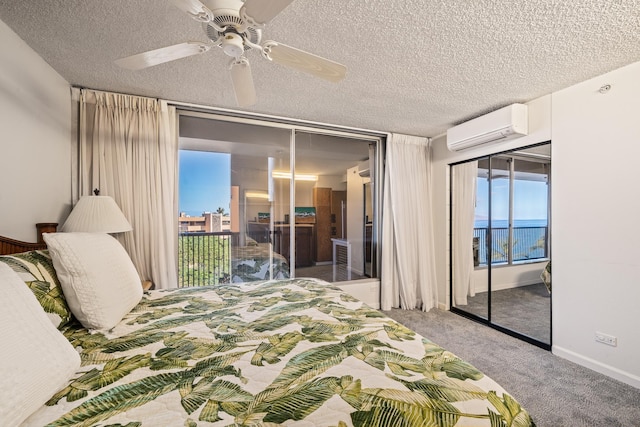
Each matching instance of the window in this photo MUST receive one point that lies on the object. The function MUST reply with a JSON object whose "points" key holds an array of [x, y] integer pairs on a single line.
{"points": [[204, 225], [519, 209]]}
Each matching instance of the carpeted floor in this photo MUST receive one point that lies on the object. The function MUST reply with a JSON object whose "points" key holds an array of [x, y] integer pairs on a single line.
{"points": [[556, 392], [525, 309]]}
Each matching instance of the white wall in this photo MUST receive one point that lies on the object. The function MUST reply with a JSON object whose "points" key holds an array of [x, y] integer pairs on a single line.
{"points": [[35, 149], [596, 222]]}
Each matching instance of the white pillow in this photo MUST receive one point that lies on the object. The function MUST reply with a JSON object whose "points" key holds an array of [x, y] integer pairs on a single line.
{"points": [[97, 276], [37, 360]]}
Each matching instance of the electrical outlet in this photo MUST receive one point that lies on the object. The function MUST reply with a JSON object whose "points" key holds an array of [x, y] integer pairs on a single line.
{"points": [[606, 339]]}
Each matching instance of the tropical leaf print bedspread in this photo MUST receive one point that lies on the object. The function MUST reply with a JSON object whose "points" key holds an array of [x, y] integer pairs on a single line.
{"points": [[294, 352]]}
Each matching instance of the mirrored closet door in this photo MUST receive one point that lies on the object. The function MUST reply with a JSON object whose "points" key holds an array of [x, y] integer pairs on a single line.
{"points": [[500, 241]]}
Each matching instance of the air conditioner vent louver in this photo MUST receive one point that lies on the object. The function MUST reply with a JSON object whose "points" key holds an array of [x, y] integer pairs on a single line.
{"points": [[224, 20], [498, 126], [341, 260]]}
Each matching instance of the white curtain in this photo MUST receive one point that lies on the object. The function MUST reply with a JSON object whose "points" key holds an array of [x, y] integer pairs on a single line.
{"points": [[463, 208], [129, 151], [408, 263]]}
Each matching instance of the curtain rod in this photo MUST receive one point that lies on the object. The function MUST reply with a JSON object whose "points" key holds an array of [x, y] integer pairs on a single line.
{"points": [[117, 93], [246, 114], [277, 119]]}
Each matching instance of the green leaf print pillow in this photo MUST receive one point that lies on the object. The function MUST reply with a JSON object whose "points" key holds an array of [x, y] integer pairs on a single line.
{"points": [[35, 268]]}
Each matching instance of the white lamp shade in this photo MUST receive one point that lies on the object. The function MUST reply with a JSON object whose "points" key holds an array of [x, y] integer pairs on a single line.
{"points": [[96, 214]]}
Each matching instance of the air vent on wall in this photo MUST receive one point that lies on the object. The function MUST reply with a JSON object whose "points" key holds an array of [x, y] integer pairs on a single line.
{"points": [[500, 125]]}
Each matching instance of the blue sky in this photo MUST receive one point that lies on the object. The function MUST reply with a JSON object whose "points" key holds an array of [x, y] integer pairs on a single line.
{"points": [[205, 185], [204, 182], [530, 200]]}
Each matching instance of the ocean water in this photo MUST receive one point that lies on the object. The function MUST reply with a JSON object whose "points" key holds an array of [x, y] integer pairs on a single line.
{"points": [[504, 223]]}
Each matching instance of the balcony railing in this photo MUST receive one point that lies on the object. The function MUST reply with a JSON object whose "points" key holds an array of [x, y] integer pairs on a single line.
{"points": [[529, 243], [204, 258]]}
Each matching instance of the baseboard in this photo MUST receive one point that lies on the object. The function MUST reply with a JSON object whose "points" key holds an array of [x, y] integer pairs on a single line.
{"points": [[504, 286], [594, 365], [511, 285]]}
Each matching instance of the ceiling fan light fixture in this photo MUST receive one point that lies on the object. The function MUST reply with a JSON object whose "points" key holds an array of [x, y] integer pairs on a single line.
{"points": [[233, 45]]}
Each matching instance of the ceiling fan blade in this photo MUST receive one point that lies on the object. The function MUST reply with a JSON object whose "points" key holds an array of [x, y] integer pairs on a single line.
{"points": [[162, 55], [304, 61], [263, 11], [243, 82], [197, 10]]}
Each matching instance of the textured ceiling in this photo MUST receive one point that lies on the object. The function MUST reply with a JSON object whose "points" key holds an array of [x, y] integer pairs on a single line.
{"points": [[414, 66]]}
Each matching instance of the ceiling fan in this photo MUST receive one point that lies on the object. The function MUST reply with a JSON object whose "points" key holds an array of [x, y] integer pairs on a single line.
{"points": [[236, 27]]}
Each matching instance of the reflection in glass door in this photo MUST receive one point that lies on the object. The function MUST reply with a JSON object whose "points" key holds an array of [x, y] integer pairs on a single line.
{"points": [[469, 237], [503, 285], [237, 224], [330, 206], [519, 298], [369, 253]]}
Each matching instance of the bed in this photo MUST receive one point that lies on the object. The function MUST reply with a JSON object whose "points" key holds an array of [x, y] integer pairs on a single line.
{"points": [[290, 352]]}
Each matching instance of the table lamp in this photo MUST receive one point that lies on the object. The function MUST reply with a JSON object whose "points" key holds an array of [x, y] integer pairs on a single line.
{"points": [[96, 214]]}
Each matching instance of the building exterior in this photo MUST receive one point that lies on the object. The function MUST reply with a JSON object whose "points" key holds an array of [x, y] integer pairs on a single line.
{"points": [[207, 223]]}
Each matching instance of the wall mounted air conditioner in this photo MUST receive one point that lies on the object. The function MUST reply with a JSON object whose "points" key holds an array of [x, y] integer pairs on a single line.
{"points": [[500, 125]]}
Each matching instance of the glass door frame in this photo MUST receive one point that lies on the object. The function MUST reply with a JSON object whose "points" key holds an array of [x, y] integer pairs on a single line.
{"points": [[488, 321]]}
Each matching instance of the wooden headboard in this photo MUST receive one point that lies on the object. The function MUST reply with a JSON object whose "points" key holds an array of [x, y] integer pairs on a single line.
{"points": [[11, 246]]}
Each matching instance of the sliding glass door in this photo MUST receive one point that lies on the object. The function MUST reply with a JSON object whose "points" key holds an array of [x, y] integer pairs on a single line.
{"points": [[331, 209], [233, 205], [263, 201], [500, 241]]}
